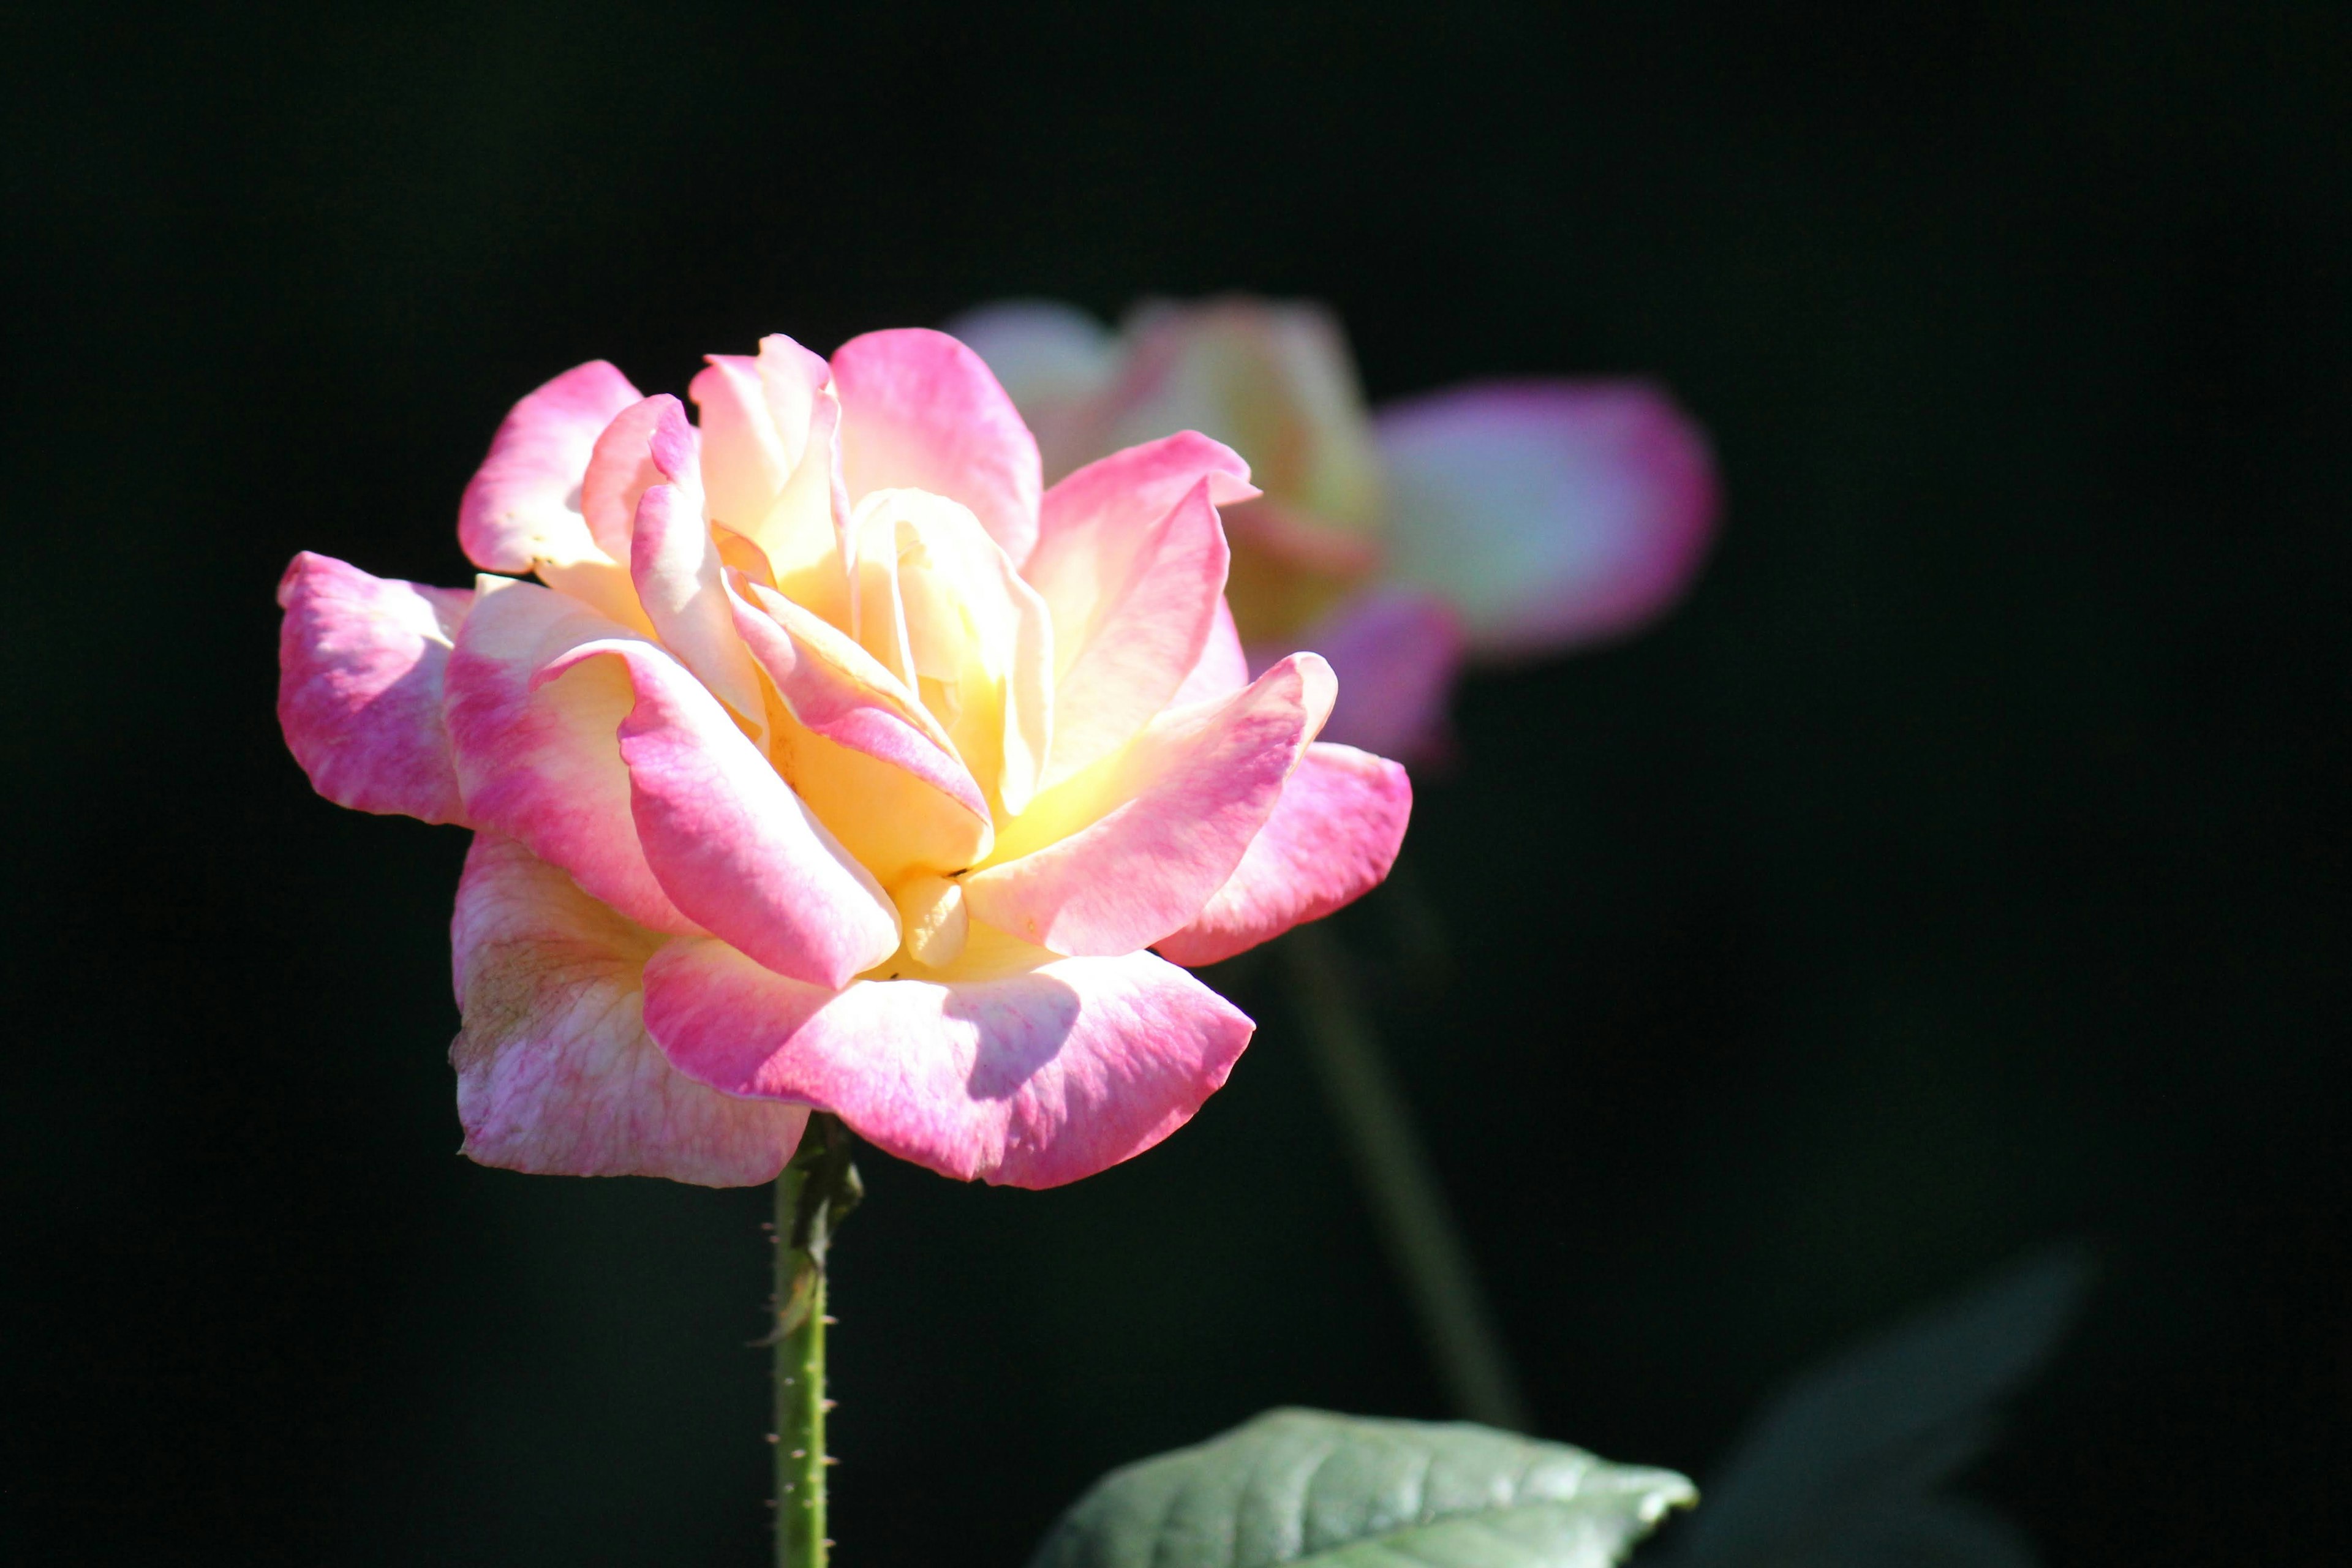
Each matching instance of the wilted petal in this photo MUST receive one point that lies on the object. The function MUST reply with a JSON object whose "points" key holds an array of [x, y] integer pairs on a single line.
{"points": [[360, 666], [540, 763], [730, 844], [1396, 652], [523, 505], [856, 746], [1330, 841], [920, 411], [1132, 849], [1013, 1066], [556, 1074], [1549, 513]]}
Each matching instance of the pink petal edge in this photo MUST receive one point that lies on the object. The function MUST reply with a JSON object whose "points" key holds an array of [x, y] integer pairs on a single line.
{"points": [[1330, 841], [1090, 523], [839, 691], [744, 463], [920, 410], [1149, 628], [730, 841], [1223, 668], [620, 471], [556, 1075], [1397, 652], [361, 661], [674, 567], [1032, 1078], [525, 496], [540, 763], [1191, 795]]}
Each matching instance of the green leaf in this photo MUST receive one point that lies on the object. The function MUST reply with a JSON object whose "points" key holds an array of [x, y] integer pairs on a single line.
{"points": [[1344, 1492], [1843, 1468]]}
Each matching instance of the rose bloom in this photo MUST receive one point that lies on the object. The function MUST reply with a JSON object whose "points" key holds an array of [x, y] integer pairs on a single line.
{"points": [[1493, 522], [833, 761]]}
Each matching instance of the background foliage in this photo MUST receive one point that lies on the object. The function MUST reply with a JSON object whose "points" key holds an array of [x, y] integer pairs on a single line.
{"points": [[1963, 866]]}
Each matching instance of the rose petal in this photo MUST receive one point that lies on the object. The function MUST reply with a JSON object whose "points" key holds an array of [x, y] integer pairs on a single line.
{"points": [[1013, 1066], [1131, 850], [920, 411], [674, 561], [677, 567], [1223, 668], [1131, 561], [793, 382], [1039, 350], [1549, 514], [556, 1075], [621, 469], [1332, 839], [1093, 525], [856, 746], [838, 690], [1144, 638], [540, 763], [744, 460], [730, 844], [942, 609], [360, 666], [1055, 361], [1396, 652], [771, 462], [523, 504]]}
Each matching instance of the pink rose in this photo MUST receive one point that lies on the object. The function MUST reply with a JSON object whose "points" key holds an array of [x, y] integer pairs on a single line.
{"points": [[836, 765], [1494, 520]]}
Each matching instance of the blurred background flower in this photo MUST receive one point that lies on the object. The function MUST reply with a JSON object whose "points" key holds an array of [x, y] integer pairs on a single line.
{"points": [[1496, 519]]}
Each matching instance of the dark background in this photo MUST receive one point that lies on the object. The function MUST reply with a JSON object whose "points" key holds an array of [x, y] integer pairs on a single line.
{"points": [[1960, 868]]}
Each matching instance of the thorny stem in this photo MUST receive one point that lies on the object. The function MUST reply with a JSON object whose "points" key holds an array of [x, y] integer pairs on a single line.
{"points": [[816, 1191], [1417, 1226]]}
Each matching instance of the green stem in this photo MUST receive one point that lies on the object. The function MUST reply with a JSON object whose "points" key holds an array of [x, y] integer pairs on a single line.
{"points": [[1417, 1226], [814, 1192]]}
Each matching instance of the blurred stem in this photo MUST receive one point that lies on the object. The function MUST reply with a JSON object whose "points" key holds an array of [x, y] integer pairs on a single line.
{"points": [[1416, 1225], [1420, 933], [816, 1190]]}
